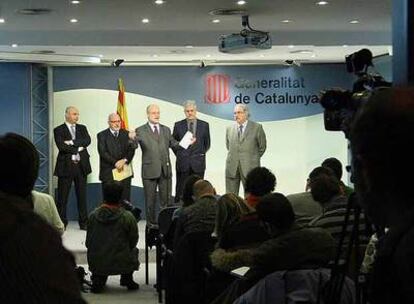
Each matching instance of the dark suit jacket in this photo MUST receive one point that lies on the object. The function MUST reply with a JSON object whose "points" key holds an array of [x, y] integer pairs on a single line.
{"points": [[64, 158], [195, 156], [155, 151], [111, 150]]}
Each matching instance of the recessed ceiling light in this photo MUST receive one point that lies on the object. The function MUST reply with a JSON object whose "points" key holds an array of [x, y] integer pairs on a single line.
{"points": [[2, 20], [291, 46], [14, 45], [145, 20], [75, 1], [100, 56], [154, 55], [322, 3], [189, 47], [345, 45], [215, 20], [159, 2], [241, 2], [261, 55], [73, 20], [286, 21], [208, 55], [354, 21], [313, 55]]}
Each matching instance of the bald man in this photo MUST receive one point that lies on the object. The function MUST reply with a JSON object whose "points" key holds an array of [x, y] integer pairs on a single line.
{"points": [[72, 164], [155, 140], [115, 152]]}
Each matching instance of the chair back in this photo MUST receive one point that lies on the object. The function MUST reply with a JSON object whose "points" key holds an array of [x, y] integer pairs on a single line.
{"points": [[165, 219], [296, 286]]}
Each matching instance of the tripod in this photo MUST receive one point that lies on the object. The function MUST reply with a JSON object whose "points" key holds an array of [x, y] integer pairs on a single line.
{"points": [[333, 289]]}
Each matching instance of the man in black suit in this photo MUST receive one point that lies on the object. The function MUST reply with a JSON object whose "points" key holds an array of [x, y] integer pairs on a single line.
{"points": [[115, 151], [191, 160], [72, 164]]}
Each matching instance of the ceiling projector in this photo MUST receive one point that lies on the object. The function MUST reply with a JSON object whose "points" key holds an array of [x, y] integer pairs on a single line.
{"points": [[247, 40]]}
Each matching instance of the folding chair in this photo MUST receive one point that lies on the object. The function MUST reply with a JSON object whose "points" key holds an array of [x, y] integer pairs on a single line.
{"points": [[164, 224]]}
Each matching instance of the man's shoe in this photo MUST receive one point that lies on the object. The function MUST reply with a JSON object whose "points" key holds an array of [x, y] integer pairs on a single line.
{"points": [[131, 285]]}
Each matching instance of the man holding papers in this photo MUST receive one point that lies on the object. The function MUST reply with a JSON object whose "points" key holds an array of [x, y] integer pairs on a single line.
{"points": [[191, 160], [115, 155]]}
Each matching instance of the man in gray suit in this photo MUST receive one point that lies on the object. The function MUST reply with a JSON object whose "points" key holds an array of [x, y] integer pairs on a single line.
{"points": [[155, 140], [246, 143]]}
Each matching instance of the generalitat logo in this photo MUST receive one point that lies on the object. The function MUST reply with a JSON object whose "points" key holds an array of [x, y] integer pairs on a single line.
{"points": [[216, 88]]}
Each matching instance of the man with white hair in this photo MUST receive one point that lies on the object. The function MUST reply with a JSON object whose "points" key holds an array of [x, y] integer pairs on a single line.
{"points": [[246, 143], [115, 152], [155, 140], [192, 160]]}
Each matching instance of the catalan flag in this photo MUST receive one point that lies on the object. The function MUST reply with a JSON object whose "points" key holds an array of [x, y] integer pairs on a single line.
{"points": [[121, 107]]}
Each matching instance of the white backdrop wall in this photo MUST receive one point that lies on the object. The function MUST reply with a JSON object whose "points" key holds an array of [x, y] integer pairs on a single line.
{"points": [[295, 146]]}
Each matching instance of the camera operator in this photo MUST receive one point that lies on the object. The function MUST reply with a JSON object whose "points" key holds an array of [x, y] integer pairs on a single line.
{"points": [[382, 144]]}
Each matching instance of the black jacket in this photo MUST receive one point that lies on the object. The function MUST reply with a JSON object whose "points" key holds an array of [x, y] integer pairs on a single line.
{"points": [[111, 150], [64, 158], [195, 156]]}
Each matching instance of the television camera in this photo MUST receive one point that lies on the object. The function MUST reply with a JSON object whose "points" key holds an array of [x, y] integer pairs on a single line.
{"points": [[341, 105]]}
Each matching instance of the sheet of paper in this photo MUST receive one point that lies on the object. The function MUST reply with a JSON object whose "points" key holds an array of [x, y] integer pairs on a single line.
{"points": [[121, 175], [186, 140], [240, 272]]}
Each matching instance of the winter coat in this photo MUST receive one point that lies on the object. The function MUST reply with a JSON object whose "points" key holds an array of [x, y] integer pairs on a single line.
{"points": [[111, 239]]}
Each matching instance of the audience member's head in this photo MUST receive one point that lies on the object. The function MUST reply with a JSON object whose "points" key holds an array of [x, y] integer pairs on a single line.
{"points": [[112, 193], [34, 267], [203, 188], [260, 181], [335, 165], [188, 192], [324, 187], [317, 172], [275, 209], [382, 144], [230, 207], [19, 165]]}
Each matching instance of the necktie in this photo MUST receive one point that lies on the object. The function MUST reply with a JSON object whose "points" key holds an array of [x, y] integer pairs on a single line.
{"points": [[156, 130], [73, 131], [191, 127], [240, 131], [116, 134]]}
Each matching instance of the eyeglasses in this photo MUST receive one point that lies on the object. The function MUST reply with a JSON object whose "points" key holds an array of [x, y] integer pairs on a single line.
{"points": [[114, 121]]}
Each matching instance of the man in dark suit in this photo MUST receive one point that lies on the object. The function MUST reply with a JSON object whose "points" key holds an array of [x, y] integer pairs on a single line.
{"points": [[72, 164], [155, 140], [192, 160], [115, 151]]}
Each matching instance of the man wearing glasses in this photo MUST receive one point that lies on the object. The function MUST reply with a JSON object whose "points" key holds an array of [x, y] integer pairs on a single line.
{"points": [[115, 152], [246, 144]]}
